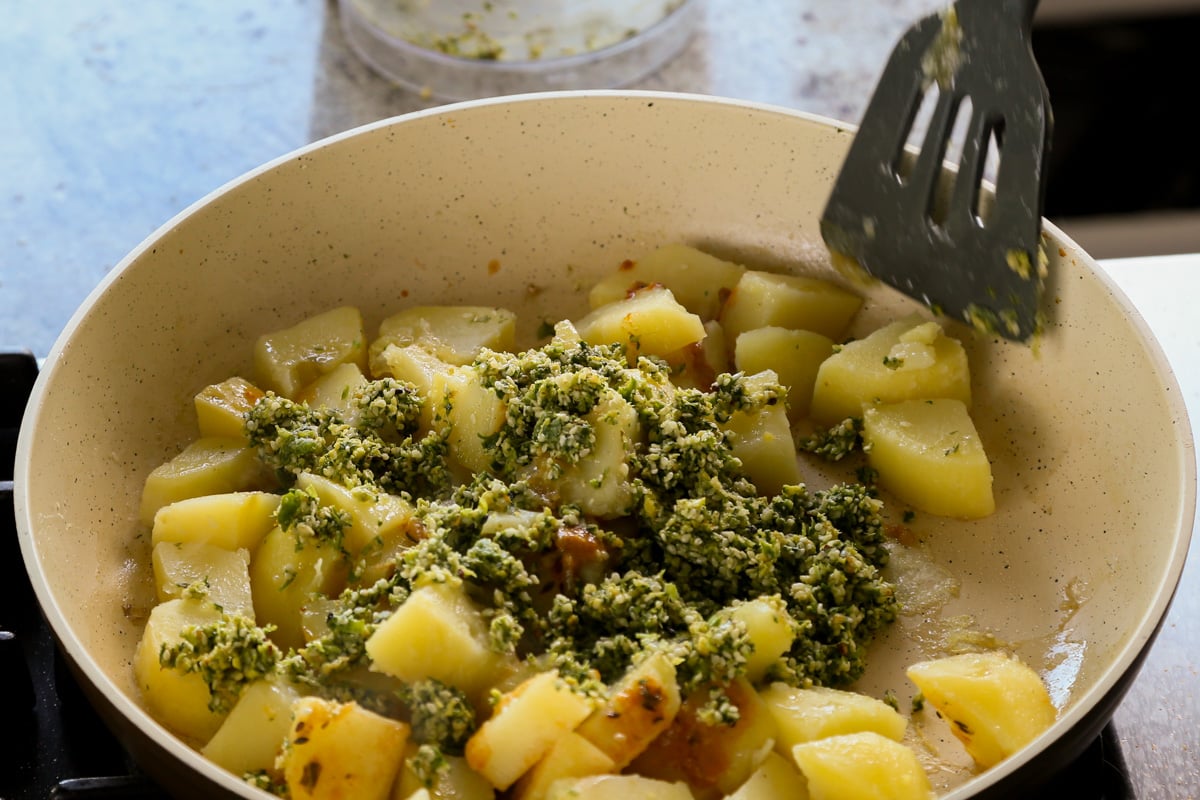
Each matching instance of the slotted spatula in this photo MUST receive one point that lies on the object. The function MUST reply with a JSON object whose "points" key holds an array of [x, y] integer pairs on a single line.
{"points": [[937, 237]]}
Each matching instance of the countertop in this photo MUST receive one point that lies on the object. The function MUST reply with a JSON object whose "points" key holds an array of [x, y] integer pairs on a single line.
{"points": [[116, 116]]}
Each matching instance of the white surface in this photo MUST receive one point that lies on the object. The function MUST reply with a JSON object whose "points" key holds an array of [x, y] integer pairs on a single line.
{"points": [[1158, 723]]}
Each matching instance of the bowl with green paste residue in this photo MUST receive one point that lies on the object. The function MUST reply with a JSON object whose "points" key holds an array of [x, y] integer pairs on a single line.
{"points": [[466, 49], [1072, 572]]}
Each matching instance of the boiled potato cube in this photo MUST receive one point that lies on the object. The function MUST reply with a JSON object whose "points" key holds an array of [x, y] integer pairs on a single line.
{"points": [[618, 787], [289, 359], [177, 699], [777, 778], [474, 413], [771, 629], [455, 334], [648, 322], [417, 365], [336, 390], [231, 520], [699, 281], [995, 704], [698, 365], [224, 574], [805, 715], [762, 440], [211, 465], [375, 516], [765, 299], [862, 766], [457, 781], [336, 751], [436, 633], [572, 756], [928, 454], [905, 360], [713, 760], [523, 727], [252, 735], [642, 704], [221, 408], [599, 482], [286, 574], [794, 355]]}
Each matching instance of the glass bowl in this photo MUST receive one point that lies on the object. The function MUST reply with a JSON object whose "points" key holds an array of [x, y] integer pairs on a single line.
{"points": [[468, 49]]}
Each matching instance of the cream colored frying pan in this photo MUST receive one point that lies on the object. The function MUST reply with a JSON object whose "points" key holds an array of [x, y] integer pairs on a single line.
{"points": [[480, 202]]}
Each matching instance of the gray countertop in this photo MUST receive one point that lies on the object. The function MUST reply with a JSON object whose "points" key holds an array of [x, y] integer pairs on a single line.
{"points": [[116, 116]]}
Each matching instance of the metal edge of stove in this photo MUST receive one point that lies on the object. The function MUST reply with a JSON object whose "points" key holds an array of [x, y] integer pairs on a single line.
{"points": [[71, 755]]}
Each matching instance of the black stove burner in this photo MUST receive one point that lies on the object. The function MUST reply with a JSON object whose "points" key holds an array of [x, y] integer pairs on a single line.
{"points": [[71, 755]]}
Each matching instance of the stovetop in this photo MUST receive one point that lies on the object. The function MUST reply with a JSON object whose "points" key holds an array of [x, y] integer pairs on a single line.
{"points": [[69, 754]]}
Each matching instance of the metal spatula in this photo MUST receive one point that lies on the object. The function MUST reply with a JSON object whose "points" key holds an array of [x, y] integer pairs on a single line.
{"points": [[936, 236]]}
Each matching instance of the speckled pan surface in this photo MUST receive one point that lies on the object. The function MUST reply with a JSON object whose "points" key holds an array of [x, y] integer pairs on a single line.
{"points": [[522, 202]]}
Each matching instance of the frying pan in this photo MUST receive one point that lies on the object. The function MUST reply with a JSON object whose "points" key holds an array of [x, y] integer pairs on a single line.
{"points": [[524, 202]]}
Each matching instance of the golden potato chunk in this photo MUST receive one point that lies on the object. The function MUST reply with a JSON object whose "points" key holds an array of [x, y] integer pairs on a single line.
{"points": [[777, 778], [699, 281], [904, 360], [253, 734], [231, 520], [862, 766], [210, 465], [766, 299], [374, 515], [995, 704], [456, 781], [523, 727], [928, 454], [288, 359], [335, 390], [771, 629], [474, 412], [619, 787], [572, 756], [698, 365], [436, 633], [223, 574], [762, 440], [221, 408], [336, 751], [805, 715], [286, 574], [650, 321], [175, 698], [455, 334], [794, 355], [599, 482]]}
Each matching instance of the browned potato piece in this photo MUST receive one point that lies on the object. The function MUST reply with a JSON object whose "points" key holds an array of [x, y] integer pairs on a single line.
{"points": [[641, 706], [713, 760], [995, 703], [336, 751]]}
